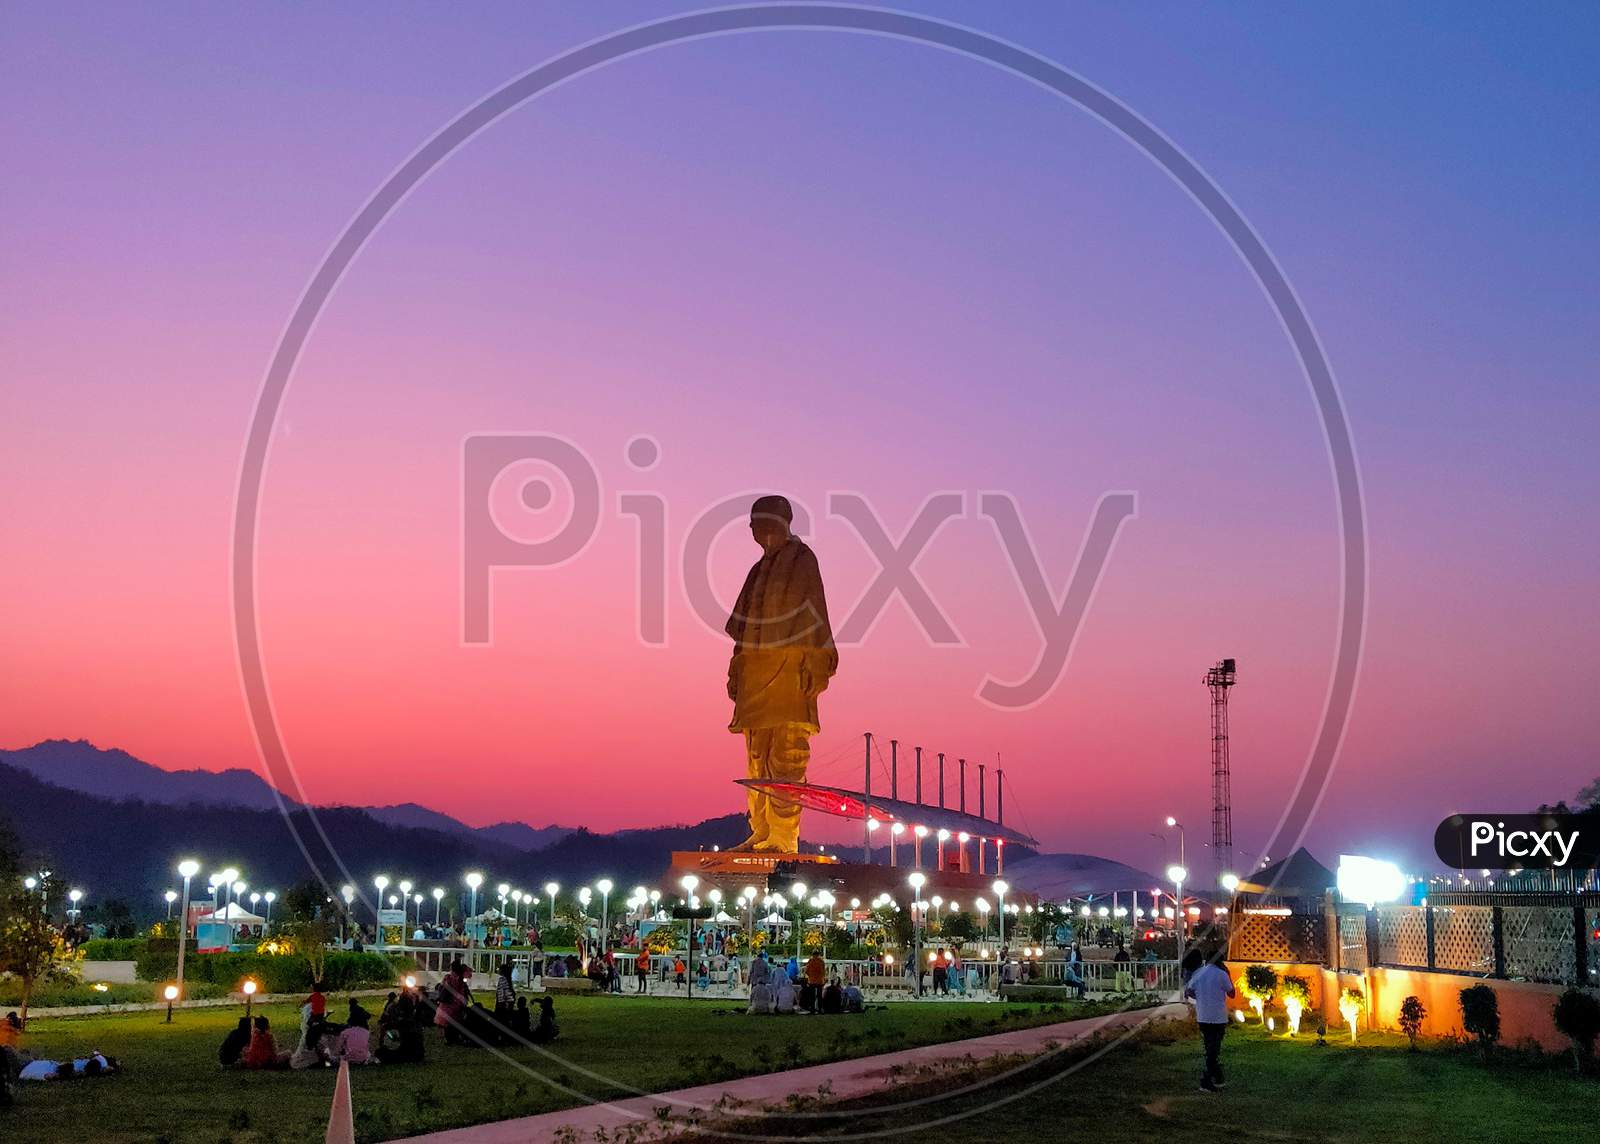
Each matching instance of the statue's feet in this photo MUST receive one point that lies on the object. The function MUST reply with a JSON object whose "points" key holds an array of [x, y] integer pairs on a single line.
{"points": [[754, 842]]}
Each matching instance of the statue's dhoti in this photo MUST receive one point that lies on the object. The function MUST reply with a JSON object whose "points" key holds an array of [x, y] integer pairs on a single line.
{"points": [[779, 754]]}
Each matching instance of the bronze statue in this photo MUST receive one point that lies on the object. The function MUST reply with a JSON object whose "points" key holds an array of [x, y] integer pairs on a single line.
{"points": [[783, 657]]}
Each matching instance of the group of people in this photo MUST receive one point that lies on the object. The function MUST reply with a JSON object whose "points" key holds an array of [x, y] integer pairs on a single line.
{"points": [[18, 1064], [321, 1043], [399, 1037], [806, 988]]}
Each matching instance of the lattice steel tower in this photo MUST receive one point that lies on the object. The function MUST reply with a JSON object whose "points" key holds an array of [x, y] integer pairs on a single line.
{"points": [[1218, 680]]}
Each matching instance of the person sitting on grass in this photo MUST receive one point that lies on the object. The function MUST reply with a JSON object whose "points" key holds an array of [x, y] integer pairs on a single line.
{"points": [[308, 1050], [354, 1043], [832, 997], [400, 1033], [853, 1001], [263, 1051], [783, 997], [545, 1031], [521, 1019], [234, 1044], [760, 997]]}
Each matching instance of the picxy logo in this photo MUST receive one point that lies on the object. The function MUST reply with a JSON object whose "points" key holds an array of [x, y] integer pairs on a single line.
{"points": [[1517, 841]]}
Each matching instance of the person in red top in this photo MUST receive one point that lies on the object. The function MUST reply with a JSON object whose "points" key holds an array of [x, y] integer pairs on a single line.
{"points": [[263, 1051]]}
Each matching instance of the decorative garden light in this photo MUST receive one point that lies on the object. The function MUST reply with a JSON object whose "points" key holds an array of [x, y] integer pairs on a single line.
{"points": [[171, 994], [552, 889], [1296, 994], [438, 903], [1000, 889], [1351, 1002], [249, 988]]}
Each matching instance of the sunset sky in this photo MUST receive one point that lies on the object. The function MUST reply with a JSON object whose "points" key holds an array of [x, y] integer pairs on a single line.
{"points": [[809, 262]]}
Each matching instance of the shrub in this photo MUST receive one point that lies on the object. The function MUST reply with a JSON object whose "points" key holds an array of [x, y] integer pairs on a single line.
{"points": [[1480, 1016], [1577, 1015], [113, 948], [288, 973], [1412, 1014], [1258, 985]]}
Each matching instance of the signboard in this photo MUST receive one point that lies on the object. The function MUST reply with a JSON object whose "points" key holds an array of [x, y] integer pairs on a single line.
{"points": [[392, 917]]}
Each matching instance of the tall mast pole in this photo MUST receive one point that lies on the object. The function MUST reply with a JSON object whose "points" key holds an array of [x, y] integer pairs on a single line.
{"points": [[866, 818], [1218, 681]]}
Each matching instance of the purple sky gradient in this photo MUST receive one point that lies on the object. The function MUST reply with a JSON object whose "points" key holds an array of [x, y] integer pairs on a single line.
{"points": [[813, 262]]}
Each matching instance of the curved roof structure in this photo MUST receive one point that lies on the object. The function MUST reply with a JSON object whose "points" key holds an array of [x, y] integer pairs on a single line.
{"points": [[842, 803]]}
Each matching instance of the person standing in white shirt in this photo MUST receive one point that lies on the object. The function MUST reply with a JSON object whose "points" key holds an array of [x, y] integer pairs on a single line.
{"points": [[1209, 988]]}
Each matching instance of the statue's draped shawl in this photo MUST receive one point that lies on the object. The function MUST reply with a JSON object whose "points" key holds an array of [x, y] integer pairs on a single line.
{"points": [[783, 643]]}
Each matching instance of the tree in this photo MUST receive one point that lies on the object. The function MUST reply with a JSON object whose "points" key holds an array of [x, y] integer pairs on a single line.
{"points": [[1412, 1014], [1577, 1015], [28, 942], [1480, 1016], [1589, 796]]}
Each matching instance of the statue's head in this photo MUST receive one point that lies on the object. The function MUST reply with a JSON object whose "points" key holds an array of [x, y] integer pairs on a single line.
{"points": [[770, 518]]}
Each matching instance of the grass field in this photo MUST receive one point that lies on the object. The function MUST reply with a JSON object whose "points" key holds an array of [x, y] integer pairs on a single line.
{"points": [[1146, 1090], [172, 1088]]}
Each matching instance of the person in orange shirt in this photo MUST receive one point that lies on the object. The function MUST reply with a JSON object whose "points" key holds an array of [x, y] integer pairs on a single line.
{"points": [[816, 976]]}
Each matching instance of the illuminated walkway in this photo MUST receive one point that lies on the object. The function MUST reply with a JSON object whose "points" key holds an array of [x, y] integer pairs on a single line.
{"points": [[846, 1079]]}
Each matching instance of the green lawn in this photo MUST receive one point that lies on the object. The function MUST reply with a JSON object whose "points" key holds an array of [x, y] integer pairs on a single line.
{"points": [[1146, 1090], [610, 1046]]}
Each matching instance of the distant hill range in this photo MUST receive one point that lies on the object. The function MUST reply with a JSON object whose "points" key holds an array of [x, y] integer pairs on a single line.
{"points": [[116, 775], [117, 824]]}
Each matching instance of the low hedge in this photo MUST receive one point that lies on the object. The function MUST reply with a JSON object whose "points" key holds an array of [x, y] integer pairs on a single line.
{"points": [[61, 993], [276, 973], [114, 948]]}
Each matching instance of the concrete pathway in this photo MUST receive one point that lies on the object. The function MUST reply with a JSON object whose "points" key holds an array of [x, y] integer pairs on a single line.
{"points": [[848, 1079]]}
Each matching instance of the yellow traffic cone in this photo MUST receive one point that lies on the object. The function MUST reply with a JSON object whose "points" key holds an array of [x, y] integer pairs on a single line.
{"points": [[341, 1117]]}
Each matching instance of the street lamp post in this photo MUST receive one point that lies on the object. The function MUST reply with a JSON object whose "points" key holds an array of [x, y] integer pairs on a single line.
{"points": [[171, 896], [1000, 889], [348, 893], [269, 897], [918, 879], [438, 904], [1183, 859], [382, 882], [798, 892], [75, 896], [605, 885], [474, 880], [405, 921], [552, 888], [1178, 875], [188, 868]]}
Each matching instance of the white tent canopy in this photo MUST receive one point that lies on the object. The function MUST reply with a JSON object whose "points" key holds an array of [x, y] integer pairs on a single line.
{"points": [[235, 914]]}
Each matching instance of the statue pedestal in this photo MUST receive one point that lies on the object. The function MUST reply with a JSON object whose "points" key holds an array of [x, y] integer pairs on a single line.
{"points": [[732, 870]]}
